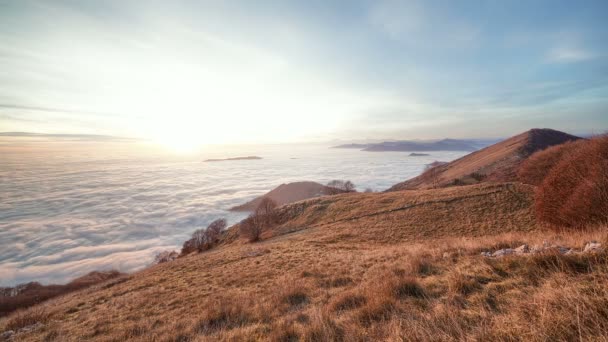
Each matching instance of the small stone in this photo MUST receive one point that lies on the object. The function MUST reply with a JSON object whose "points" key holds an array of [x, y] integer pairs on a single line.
{"points": [[592, 246], [32, 327], [522, 249], [502, 252], [536, 249], [486, 254], [447, 255]]}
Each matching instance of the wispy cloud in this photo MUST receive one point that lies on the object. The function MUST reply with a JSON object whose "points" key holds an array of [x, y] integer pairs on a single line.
{"points": [[568, 54]]}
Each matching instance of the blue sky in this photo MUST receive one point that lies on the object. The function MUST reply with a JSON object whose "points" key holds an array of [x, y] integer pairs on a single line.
{"points": [[198, 72]]}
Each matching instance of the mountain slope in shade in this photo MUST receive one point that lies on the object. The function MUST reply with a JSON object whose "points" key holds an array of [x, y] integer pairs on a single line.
{"points": [[498, 162], [287, 193]]}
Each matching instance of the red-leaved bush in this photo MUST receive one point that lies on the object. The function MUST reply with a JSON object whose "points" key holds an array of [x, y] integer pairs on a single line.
{"points": [[574, 192], [536, 168]]}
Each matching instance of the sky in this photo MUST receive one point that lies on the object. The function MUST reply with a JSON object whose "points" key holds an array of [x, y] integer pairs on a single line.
{"points": [[185, 73]]}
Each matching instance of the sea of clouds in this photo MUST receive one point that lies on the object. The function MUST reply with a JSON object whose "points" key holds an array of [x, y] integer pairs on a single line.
{"points": [[64, 215]]}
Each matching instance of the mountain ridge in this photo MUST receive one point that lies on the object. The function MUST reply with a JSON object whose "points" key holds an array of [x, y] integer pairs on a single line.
{"points": [[496, 163]]}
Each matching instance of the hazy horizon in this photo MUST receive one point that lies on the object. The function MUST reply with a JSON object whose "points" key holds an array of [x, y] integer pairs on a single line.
{"points": [[186, 74]]}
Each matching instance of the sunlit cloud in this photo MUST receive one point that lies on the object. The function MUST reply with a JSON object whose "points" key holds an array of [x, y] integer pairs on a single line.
{"points": [[188, 74]]}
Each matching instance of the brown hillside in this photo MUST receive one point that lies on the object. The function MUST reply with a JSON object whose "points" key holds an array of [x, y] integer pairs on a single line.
{"points": [[496, 163], [287, 193], [338, 268]]}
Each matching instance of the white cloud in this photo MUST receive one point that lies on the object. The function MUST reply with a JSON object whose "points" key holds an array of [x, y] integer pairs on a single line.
{"points": [[569, 54]]}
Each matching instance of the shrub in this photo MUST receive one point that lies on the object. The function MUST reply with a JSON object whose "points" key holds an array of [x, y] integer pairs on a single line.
{"points": [[263, 217], [337, 186], [478, 176], [536, 168], [165, 256], [574, 193], [204, 239]]}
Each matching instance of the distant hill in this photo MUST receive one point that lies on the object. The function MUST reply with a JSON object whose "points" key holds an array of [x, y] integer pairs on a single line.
{"points": [[422, 146], [234, 158], [287, 193], [498, 162], [355, 146]]}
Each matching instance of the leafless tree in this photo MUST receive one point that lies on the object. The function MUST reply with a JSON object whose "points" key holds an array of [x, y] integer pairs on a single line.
{"points": [[214, 230], [204, 239], [264, 216], [338, 186], [165, 256]]}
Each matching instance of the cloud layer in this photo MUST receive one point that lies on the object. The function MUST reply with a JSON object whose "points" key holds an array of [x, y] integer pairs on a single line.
{"points": [[65, 214]]}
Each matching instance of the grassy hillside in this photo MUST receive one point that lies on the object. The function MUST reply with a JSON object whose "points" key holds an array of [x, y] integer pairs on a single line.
{"points": [[345, 267], [496, 163], [287, 193]]}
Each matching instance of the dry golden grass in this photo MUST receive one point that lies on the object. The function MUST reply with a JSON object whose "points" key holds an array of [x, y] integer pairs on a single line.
{"points": [[358, 273]]}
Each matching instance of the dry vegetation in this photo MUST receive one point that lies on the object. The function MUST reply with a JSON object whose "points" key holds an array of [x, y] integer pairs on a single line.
{"points": [[35, 293], [572, 183], [349, 267], [296, 290], [396, 266], [495, 163]]}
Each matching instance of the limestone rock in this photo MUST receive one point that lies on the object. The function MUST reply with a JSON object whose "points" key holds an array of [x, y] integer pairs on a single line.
{"points": [[593, 246]]}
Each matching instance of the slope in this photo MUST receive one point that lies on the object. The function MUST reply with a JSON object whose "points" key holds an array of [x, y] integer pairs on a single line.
{"points": [[287, 193], [496, 163], [323, 248]]}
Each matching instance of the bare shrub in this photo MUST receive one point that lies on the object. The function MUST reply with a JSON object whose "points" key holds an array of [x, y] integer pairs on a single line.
{"points": [[204, 239], [214, 230], [165, 256], [264, 216], [574, 194], [337, 186], [478, 176]]}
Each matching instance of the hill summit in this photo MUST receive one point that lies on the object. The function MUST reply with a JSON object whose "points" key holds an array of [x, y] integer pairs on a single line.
{"points": [[287, 193], [498, 162]]}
